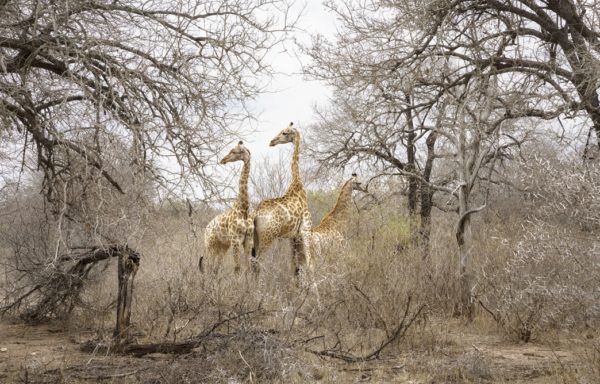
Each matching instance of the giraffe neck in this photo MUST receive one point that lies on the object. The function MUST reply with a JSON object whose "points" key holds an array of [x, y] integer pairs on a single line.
{"points": [[242, 201], [336, 217], [296, 183], [343, 202]]}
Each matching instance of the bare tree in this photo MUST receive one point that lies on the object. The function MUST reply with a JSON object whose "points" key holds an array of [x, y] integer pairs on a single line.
{"points": [[549, 272], [106, 101], [476, 134], [380, 113], [417, 96], [547, 50], [168, 79], [386, 66]]}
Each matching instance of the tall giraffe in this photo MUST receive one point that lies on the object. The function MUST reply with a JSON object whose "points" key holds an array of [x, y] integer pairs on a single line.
{"points": [[233, 228], [329, 232], [286, 216]]}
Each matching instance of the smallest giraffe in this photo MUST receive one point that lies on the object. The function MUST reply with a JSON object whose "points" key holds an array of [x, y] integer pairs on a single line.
{"points": [[233, 229], [329, 233]]}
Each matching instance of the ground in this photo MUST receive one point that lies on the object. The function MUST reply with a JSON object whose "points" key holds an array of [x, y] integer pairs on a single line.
{"points": [[52, 354]]}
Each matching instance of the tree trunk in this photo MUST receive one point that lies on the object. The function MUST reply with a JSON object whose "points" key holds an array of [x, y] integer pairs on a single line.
{"points": [[413, 182], [427, 195], [573, 39], [129, 263], [425, 225], [592, 107], [465, 269]]}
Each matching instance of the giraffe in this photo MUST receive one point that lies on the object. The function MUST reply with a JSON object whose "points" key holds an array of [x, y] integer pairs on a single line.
{"points": [[286, 216], [329, 232], [233, 228]]}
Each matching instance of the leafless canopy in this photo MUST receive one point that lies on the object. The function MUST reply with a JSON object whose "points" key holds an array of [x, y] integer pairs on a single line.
{"points": [[547, 50], [154, 79], [403, 71], [107, 99]]}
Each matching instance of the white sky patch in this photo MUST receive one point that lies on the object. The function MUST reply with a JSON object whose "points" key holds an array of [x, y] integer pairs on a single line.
{"points": [[290, 97]]}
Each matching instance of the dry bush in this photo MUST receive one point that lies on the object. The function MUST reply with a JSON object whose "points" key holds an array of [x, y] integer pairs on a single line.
{"points": [[350, 305], [468, 367], [44, 241], [353, 306], [246, 356], [27, 237], [544, 273], [589, 369]]}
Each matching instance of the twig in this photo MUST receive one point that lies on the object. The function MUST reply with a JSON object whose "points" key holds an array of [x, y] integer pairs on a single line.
{"points": [[494, 316], [398, 333], [108, 376]]}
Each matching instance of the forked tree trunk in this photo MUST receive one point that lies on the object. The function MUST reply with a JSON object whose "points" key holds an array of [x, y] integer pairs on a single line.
{"points": [[463, 235]]}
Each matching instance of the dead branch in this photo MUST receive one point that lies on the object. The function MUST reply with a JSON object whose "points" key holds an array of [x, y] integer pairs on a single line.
{"points": [[177, 347], [396, 335], [66, 283]]}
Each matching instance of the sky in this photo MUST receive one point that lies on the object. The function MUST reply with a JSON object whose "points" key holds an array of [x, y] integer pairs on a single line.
{"points": [[290, 97]]}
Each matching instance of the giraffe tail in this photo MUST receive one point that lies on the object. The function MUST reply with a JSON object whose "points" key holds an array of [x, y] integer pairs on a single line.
{"points": [[200, 263], [255, 238]]}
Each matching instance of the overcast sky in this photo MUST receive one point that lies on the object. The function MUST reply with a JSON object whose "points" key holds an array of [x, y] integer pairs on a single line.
{"points": [[291, 97]]}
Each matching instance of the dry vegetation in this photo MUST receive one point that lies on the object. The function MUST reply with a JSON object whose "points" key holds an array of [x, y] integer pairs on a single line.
{"points": [[473, 258], [379, 311]]}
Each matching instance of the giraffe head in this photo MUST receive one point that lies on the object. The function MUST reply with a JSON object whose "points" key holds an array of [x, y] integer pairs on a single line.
{"points": [[357, 185], [287, 135], [237, 153]]}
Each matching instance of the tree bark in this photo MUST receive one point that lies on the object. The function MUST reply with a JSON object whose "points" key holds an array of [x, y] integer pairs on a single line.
{"points": [[129, 263], [427, 195], [413, 182], [465, 269]]}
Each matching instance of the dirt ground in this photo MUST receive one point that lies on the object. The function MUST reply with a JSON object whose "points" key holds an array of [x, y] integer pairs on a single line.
{"points": [[51, 354]]}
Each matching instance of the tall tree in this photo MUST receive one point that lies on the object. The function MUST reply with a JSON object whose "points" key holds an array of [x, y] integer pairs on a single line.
{"points": [[546, 48], [167, 79], [105, 100], [386, 67]]}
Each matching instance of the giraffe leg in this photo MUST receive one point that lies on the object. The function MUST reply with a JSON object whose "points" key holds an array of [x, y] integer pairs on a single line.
{"points": [[305, 235], [305, 238], [217, 261], [294, 256], [298, 252], [236, 248], [211, 247], [248, 244], [217, 253], [255, 245], [256, 252]]}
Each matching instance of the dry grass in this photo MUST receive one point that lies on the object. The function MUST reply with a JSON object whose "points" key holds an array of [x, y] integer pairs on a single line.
{"points": [[350, 305], [276, 328]]}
